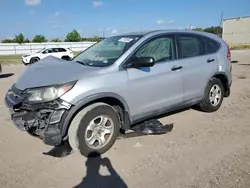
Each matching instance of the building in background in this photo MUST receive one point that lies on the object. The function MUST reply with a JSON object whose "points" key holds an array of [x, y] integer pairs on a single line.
{"points": [[236, 31]]}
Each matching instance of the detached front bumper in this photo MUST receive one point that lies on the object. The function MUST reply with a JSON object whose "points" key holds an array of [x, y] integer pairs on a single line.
{"points": [[40, 120]]}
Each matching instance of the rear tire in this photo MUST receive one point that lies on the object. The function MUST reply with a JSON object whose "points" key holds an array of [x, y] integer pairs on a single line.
{"points": [[81, 137], [67, 58], [214, 95]]}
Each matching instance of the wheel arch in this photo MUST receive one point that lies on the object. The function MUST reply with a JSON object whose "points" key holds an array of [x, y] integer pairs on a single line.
{"points": [[223, 78], [35, 57], [112, 99], [65, 56]]}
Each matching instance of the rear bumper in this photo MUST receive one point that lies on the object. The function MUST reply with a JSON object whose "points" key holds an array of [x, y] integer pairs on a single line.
{"points": [[39, 120]]}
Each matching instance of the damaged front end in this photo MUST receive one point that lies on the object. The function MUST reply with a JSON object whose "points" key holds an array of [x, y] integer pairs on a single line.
{"points": [[38, 119]]}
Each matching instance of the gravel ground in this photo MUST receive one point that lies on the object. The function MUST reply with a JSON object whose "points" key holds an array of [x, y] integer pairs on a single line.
{"points": [[203, 150]]}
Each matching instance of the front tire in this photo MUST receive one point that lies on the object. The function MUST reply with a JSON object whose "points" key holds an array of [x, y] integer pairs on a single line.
{"points": [[33, 60], [94, 129], [214, 95]]}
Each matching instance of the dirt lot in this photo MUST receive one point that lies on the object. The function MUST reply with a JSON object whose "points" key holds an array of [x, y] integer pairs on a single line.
{"points": [[203, 150]]}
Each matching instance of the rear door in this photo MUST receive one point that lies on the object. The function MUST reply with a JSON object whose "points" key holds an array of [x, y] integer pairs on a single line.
{"points": [[56, 53], [199, 64], [63, 52], [154, 89]]}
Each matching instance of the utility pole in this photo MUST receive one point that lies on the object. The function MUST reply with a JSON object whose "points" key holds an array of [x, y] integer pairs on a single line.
{"points": [[221, 25], [221, 19], [103, 33], [190, 26]]}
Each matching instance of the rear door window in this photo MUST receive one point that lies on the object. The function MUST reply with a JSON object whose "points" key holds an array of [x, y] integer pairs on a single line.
{"points": [[190, 45], [55, 50]]}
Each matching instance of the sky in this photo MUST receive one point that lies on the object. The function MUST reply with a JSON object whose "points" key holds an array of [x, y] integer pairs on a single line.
{"points": [[56, 18]]}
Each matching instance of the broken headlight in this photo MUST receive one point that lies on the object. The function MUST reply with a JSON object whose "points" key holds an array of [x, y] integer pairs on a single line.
{"points": [[49, 93]]}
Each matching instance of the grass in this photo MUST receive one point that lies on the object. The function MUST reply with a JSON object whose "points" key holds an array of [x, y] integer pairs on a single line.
{"points": [[239, 46], [15, 59], [10, 59]]}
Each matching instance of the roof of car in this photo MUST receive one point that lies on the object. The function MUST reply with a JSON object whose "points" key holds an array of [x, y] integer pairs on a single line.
{"points": [[142, 33], [155, 32]]}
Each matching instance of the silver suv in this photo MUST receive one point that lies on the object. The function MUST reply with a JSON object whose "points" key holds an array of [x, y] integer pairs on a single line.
{"points": [[118, 82]]}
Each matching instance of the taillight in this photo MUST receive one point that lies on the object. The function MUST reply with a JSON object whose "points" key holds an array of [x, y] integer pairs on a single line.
{"points": [[228, 53]]}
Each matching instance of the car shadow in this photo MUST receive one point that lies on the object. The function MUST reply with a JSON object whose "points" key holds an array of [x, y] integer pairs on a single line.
{"points": [[6, 75], [94, 179], [150, 127], [234, 61], [143, 128], [163, 115]]}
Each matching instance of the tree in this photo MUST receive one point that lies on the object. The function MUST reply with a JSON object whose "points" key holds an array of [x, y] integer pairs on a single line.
{"points": [[8, 41], [39, 39], [27, 41], [56, 40], [73, 36], [19, 38], [198, 29], [214, 30], [93, 39]]}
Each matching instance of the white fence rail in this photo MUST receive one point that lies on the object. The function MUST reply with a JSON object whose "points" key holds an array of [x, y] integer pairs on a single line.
{"points": [[14, 48]]}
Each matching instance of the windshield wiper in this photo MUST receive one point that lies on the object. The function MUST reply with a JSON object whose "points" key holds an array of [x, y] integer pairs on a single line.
{"points": [[82, 63]]}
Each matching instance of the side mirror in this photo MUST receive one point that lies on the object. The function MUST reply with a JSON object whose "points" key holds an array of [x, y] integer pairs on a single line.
{"points": [[143, 62]]}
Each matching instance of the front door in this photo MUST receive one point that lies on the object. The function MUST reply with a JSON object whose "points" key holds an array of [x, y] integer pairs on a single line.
{"points": [[46, 53], [158, 88]]}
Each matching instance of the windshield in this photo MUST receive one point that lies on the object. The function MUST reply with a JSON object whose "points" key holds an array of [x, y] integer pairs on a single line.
{"points": [[40, 50], [107, 51]]}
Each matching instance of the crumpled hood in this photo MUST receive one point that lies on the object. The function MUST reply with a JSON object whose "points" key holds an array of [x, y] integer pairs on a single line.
{"points": [[52, 70]]}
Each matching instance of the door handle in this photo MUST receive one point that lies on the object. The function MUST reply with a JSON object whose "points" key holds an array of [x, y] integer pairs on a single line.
{"points": [[175, 68], [210, 60]]}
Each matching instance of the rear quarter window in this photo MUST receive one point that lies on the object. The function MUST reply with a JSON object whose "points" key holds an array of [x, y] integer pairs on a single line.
{"points": [[212, 46]]}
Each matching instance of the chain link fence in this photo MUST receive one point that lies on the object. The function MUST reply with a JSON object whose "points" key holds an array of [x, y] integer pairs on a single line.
{"points": [[20, 49]]}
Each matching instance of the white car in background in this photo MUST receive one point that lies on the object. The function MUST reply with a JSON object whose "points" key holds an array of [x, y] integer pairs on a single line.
{"points": [[62, 53]]}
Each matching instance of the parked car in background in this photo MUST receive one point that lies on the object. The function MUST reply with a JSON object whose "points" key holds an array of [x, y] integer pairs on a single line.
{"points": [[63, 53], [120, 81]]}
